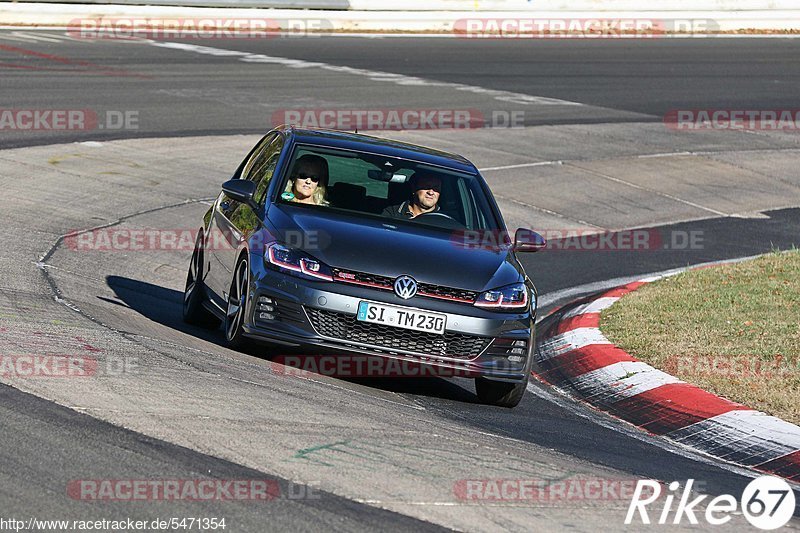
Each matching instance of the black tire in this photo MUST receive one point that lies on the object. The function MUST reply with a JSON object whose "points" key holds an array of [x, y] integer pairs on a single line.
{"points": [[500, 393], [194, 292], [236, 313]]}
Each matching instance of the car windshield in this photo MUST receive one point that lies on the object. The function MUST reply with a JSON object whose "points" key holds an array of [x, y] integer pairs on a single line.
{"points": [[392, 188]]}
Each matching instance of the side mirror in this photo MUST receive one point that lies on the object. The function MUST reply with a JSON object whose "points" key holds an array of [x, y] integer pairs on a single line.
{"points": [[526, 240], [240, 191]]}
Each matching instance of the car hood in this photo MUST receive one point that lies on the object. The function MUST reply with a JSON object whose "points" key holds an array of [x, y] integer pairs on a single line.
{"points": [[378, 246]]}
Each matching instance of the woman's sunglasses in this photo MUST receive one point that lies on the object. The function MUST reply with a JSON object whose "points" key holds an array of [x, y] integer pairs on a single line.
{"points": [[303, 176]]}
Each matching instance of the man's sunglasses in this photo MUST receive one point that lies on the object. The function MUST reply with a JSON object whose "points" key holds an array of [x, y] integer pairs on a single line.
{"points": [[428, 186], [303, 176]]}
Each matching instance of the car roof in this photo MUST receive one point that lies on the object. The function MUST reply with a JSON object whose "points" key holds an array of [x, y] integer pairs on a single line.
{"points": [[377, 145]]}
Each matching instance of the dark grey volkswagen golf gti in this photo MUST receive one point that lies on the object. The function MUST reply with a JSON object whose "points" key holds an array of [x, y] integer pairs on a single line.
{"points": [[342, 243]]}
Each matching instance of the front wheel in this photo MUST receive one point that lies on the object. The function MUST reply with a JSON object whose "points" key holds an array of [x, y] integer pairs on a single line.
{"points": [[500, 393], [195, 292], [237, 306]]}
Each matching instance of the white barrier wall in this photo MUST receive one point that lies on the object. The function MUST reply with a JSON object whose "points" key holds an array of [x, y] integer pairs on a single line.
{"points": [[574, 5], [684, 21], [596, 6], [261, 4]]}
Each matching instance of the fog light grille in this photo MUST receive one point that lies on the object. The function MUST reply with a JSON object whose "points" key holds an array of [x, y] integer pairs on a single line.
{"points": [[514, 349], [268, 310]]}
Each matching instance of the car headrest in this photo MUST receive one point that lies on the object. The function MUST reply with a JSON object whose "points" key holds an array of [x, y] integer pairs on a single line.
{"points": [[347, 195], [399, 192]]}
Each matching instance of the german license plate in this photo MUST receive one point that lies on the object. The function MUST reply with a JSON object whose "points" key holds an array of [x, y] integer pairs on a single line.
{"points": [[402, 317]]}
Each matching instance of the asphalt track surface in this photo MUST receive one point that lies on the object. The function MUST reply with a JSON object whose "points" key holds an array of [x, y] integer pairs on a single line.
{"points": [[191, 94], [47, 447], [185, 94]]}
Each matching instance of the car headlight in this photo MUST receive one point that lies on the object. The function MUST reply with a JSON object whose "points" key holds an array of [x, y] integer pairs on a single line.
{"points": [[513, 296], [297, 262]]}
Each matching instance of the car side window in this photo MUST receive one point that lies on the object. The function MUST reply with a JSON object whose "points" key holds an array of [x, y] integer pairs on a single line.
{"points": [[262, 166]]}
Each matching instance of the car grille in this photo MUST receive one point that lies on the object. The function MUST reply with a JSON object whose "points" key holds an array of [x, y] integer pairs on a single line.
{"points": [[386, 283], [436, 291], [362, 278], [345, 327]]}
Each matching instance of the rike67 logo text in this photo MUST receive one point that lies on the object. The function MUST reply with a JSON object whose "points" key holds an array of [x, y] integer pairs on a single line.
{"points": [[767, 503]]}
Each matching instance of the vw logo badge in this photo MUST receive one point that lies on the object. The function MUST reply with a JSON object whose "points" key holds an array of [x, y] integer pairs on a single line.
{"points": [[405, 287]]}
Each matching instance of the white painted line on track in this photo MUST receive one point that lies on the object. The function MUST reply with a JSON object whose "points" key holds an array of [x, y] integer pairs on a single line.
{"points": [[374, 75], [648, 189], [26, 37], [523, 165], [664, 154], [10, 37], [549, 212], [35, 37]]}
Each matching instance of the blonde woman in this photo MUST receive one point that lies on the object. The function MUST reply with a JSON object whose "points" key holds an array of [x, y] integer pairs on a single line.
{"points": [[309, 180]]}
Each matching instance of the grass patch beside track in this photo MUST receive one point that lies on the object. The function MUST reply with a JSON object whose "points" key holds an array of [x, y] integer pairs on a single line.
{"points": [[733, 330]]}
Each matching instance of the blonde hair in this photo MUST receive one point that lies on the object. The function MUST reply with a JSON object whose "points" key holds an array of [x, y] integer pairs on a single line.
{"points": [[319, 194]]}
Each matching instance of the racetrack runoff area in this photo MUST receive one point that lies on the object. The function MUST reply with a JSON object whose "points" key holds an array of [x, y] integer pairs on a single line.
{"points": [[407, 446], [179, 385]]}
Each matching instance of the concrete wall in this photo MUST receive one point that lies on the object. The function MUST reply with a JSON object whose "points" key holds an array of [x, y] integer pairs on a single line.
{"points": [[475, 5], [778, 18]]}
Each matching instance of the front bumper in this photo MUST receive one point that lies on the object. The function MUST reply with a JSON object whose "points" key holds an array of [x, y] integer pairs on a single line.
{"points": [[320, 316]]}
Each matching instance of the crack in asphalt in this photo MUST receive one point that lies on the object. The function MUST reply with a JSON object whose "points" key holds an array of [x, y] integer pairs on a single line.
{"points": [[59, 298]]}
